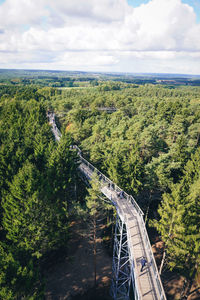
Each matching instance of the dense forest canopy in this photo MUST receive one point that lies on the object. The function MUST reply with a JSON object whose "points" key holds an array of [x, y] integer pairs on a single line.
{"points": [[146, 138], [36, 176], [154, 128]]}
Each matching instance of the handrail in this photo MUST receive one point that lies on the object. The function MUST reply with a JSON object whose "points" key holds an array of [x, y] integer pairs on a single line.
{"points": [[152, 259], [140, 219], [55, 129], [112, 184], [127, 197]]}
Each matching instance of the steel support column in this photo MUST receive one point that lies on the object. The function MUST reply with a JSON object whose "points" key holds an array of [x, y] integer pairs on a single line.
{"points": [[120, 287]]}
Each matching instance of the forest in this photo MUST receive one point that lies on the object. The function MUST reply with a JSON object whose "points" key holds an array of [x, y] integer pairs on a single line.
{"points": [[146, 138], [36, 176], [63, 79]]}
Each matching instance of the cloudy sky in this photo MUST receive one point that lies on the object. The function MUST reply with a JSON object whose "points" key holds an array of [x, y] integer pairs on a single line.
{"points": [[153, 36]]}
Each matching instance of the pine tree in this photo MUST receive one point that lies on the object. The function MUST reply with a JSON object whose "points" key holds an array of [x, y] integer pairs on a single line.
{"points": [[179, 223], [23, 211], [170, 226], [62, 170], [20, 277], [96, 209], [133, 170]]}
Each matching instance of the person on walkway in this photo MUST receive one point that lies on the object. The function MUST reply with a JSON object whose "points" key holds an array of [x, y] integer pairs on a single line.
{"points": [[121, 195], [143, 263]]}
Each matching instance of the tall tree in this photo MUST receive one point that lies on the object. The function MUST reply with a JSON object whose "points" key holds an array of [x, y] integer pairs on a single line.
{"points": [[179, 222], [96, 209], [24, 212]]}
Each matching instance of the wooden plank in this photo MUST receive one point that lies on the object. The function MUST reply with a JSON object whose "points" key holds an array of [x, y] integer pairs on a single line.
{"points": [[146, 281]]}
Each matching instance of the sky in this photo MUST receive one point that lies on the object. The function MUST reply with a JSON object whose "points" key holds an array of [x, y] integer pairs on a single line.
{"points": [[136, 36]]}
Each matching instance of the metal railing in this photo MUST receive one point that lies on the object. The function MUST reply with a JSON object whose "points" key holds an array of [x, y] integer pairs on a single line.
{"points": [[55, 129], [104, 178], [134, 275], [151, 258], [129, 198], [140, 213]]}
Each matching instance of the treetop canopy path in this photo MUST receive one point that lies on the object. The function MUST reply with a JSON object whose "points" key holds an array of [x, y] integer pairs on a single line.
{"points": [[135, 274]]}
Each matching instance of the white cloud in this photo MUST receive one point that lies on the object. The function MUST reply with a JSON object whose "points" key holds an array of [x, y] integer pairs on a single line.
{"points": [[93, 59], [14, 13], [93, 33], [89, 10], [160, 25]]}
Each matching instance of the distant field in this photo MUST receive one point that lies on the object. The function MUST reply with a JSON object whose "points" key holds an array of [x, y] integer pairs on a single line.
{"points": [[69, 79]]}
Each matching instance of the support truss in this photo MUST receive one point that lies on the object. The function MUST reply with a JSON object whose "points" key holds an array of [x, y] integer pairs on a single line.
{"points": [[121, 280], [125, 282]]}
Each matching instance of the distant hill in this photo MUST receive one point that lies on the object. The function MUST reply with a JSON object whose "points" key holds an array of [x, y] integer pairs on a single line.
{"points": [[58, 78]]}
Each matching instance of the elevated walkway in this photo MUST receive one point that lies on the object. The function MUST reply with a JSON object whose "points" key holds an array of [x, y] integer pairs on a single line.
{"points": [[147, 284], [131, 239]]}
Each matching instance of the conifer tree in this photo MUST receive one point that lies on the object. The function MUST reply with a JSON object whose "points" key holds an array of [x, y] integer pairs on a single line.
{"points": [[94, 205], [96, 208], [179, 223], [62, 169], [20, 277], [24, 211], [170, 225]]}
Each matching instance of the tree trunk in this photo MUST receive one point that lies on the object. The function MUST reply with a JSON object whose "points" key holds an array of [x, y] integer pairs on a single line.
{"points": [[162, 262], [95, 253], [188, 288], [147, 211]]}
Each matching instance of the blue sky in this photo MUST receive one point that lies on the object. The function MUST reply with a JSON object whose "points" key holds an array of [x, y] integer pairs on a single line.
{"points": [[160, 36], [136, 3], [194, 3]]}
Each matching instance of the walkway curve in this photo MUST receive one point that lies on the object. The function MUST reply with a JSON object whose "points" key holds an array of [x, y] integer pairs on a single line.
{"points": [[147, 284]]}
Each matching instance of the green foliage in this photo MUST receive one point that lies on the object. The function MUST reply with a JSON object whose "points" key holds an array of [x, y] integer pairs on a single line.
{"points": [[93, 200], [36, 181], [24, 134], [97, 209], [20, 277], [95, 203], [21, 208], [179, 223], [149, 144], [62, 169], [162, 122]]}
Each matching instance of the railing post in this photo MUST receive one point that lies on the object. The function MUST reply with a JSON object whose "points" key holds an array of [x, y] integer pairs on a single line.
{"points": [[123, 231]]}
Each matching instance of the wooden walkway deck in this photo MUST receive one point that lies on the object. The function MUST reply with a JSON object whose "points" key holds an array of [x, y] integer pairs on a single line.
{"points": [[148, 281]]}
